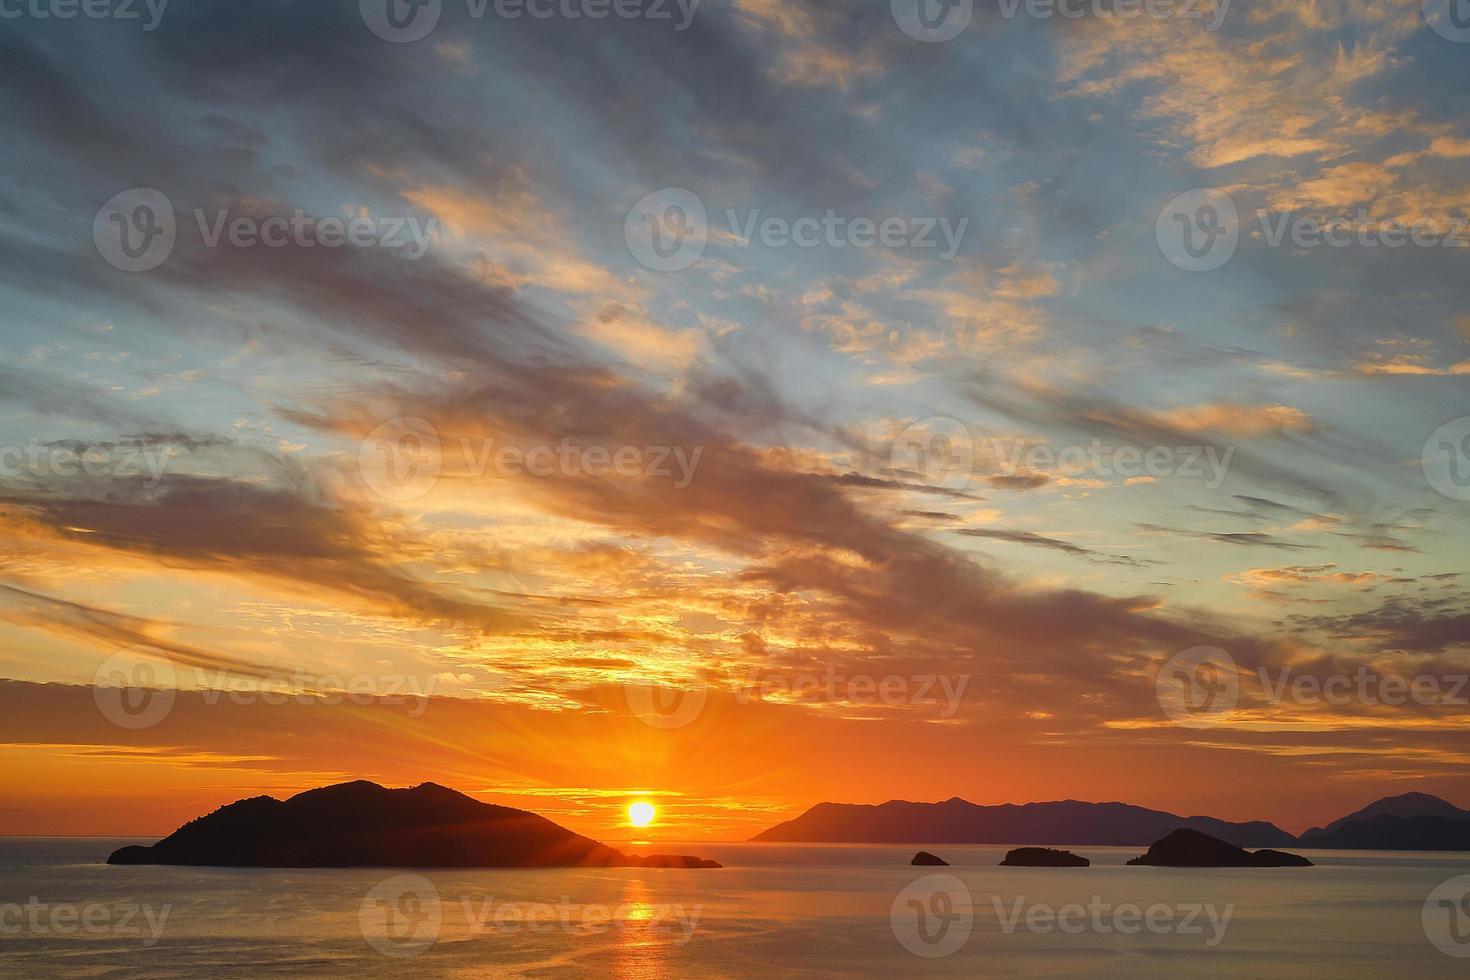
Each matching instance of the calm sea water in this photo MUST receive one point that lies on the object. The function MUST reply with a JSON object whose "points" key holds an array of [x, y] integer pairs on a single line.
{"points": [[774, 910]]}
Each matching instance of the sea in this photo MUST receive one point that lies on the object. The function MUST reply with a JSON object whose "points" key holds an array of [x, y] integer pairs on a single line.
{"points": [[772, 910]]}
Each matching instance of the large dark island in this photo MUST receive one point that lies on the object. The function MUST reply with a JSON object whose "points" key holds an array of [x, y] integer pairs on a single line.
{"points": [[362, 824], [1191, 849]]}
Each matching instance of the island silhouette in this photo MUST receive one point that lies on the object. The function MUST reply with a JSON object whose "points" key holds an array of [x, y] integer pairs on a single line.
{"points": [[1043, 857], [957, 821], [1408, 822], [362, 824], [1186, 848]]}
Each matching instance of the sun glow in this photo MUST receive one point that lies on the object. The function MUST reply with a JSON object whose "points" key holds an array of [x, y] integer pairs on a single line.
{"points": [[640, 814]]}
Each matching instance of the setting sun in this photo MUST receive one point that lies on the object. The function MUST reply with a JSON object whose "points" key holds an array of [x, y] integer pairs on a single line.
{"points": [[640, 814]]}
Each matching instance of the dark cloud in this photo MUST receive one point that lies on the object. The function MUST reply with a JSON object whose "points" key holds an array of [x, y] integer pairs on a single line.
{"points": [[1039, 541]]}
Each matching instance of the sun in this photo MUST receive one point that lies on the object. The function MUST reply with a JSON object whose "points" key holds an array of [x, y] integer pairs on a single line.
{"points": [[640, 814]]}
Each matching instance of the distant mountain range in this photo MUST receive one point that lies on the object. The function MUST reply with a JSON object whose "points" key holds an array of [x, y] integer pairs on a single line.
{"points": [[362, 824], [1411, 822], [958, 821], [1414, 821]]}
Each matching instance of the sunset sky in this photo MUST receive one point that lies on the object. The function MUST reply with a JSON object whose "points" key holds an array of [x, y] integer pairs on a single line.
{"points": [[801, 537]]}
